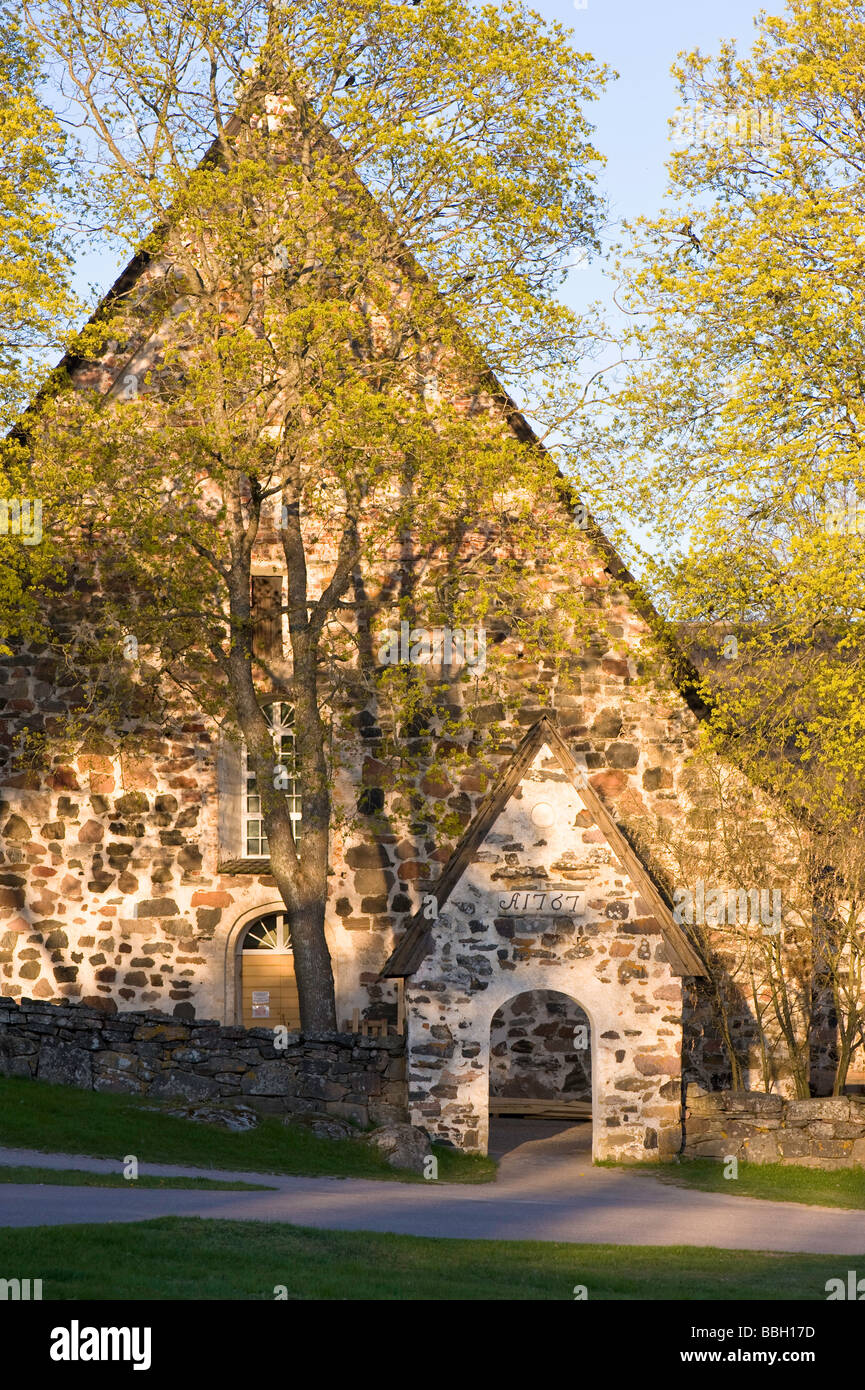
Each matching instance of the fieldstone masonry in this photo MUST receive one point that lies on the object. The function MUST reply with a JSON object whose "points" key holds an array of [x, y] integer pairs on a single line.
{"points": [[540, 1048], [824, 1132], [357, 1078], [544, 904], [124, 881]]}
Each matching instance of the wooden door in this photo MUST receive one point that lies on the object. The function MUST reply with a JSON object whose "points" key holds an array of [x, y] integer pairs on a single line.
{"points": [[268, 985]]}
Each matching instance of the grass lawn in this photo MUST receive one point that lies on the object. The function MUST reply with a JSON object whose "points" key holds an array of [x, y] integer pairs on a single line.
{"points": [[82, 1177], [193, 1258], [839, 1187], [59, 1119]]}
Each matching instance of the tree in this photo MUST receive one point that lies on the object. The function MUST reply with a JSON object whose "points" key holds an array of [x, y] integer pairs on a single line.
{"points": [[738, 423], [357, 208], [36, 304], [735, 869], [730, 443], [35, 301]]}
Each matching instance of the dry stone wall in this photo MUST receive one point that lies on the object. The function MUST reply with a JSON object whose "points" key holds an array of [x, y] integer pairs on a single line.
{"points": [[149, 1054], [825, 1132]]}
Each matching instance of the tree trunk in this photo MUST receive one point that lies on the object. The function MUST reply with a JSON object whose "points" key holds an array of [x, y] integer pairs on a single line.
{"points": [[301, 877], [312, 965]]}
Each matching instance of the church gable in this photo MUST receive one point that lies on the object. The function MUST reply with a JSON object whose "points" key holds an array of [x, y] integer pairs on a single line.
{"points": [[205, 878], [544, 840]]}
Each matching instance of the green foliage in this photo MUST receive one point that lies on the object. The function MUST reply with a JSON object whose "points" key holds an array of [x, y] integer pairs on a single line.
{"points": [[344, 213], [35, 302], [735, 446], [36, 305]]}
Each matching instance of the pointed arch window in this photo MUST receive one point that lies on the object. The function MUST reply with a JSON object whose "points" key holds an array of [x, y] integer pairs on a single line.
{"points": [[280, 718]]}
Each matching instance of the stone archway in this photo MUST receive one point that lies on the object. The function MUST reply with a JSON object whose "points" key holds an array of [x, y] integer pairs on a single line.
{"points": [[545, 892], [634, 1015], [540, 1056]]}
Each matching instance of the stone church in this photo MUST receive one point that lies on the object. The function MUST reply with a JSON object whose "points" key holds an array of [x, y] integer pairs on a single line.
{"points": [[532, 960]]}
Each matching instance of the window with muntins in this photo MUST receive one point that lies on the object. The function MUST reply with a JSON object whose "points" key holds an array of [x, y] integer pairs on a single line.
{"points": [[280, 717]]}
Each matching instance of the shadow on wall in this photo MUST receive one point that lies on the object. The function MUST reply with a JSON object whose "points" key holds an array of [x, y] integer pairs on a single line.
{"points": [[540, 1048]]}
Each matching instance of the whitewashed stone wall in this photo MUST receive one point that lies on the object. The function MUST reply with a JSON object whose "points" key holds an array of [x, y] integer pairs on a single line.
{"points": [[603, 951]]}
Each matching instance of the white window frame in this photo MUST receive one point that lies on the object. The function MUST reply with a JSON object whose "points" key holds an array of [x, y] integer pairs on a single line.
{"points": [[281, 936], [280, 716]]}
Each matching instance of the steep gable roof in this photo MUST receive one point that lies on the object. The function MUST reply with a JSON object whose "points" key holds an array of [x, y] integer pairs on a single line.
{"points": [[417, 940], [684, 673]]}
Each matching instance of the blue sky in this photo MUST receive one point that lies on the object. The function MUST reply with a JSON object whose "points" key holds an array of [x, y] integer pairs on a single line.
{"points": [[641, 40]]}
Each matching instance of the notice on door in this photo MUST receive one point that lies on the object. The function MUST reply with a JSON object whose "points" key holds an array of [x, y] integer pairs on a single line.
{"points": [[261, 1003]]}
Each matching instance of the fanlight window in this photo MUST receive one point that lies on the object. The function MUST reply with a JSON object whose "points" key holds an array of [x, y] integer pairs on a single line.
{"points": [[269, 933], [280, 717]]}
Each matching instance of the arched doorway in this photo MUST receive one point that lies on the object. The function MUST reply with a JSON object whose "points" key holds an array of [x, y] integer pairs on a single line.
{"points": [[540, 1056], [544, 891], [268, 988]]}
